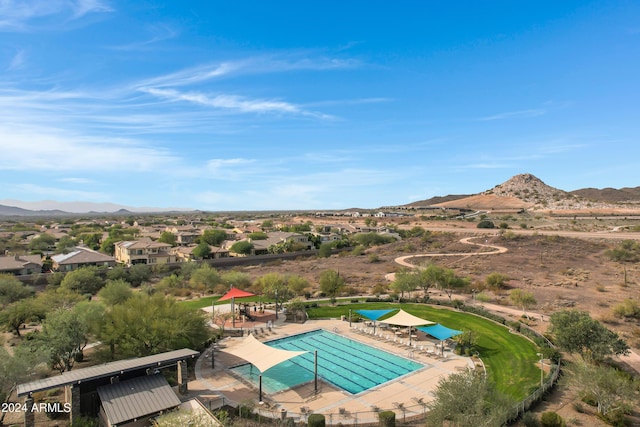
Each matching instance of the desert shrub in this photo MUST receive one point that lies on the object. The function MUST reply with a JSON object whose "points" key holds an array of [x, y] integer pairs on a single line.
{"points": [[577, 406], [387, 418], [552, 419], [325, 250], [485, 223], [627, 309], [316, 420], [529, 419], [617, 418]]}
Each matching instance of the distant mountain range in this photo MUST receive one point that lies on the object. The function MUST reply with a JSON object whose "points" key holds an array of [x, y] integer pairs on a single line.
{"points": [[526, 191], [49, 208]]}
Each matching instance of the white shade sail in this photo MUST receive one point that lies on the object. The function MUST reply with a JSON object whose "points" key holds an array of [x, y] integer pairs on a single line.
{"points": [[261, 355], [402, 318]]}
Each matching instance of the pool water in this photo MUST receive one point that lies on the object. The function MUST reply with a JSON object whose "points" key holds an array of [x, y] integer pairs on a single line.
{"points": [[345, 363]]}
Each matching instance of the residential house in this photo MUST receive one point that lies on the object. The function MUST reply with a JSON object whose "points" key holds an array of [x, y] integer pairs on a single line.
{"points": [[81, 256], [20, 265], [143, 251]]}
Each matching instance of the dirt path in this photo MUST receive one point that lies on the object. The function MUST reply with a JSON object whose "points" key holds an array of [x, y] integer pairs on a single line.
{"points": [[467, 240], [632, 359]]}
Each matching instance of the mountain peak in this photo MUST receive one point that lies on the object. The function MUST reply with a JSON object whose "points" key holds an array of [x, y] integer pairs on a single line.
{"points": [[528, 188]]}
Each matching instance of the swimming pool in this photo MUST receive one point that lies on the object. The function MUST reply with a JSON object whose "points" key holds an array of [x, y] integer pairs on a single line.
{"points": [[345, 363]]}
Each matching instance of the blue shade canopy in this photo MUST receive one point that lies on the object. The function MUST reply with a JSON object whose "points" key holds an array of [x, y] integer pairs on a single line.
{"points": [[374, 314], [438, 331]]}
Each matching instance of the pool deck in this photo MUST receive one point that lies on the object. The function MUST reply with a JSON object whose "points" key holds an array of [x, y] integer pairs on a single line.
{"points": [[217, 386]]}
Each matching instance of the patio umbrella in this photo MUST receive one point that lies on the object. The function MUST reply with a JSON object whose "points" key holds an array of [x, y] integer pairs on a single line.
{"points": [[232, 295]]}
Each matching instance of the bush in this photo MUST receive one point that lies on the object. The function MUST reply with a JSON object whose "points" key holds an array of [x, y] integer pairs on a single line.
{"points": [[530, 420], [485, 223], [387, 418], [316, 420], [552, 419], [616, 419]]}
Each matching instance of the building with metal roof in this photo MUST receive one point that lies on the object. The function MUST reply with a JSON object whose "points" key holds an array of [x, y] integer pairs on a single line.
{"points": [[81, 385], [135, 399]]}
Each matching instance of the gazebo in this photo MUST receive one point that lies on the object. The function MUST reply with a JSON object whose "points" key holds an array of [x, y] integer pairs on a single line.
{"points": [[402, 318], [261, 356], [232, 295]]}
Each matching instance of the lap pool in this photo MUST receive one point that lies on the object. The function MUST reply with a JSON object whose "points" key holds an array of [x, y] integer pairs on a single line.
{"points": [[345, 363]]}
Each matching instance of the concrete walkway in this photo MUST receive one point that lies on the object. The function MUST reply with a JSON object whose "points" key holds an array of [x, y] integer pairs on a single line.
{"points": [[218, 386]]}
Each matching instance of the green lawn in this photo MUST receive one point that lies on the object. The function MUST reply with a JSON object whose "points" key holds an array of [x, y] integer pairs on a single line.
{"points": [[510, 359]]}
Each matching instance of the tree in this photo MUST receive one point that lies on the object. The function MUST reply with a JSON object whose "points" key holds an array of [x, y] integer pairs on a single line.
{"points": [[274, 287], [65, 244], [138, 274], [202, 251], [145, 325], [575, 331], [64, 335], [84, 280], [611, 389], [42, 243], [115, 292], [331, 284], [467, 400], [168, 238], [430, 277], [522, 298], [407, 280], [213, 237], [450, 283], [205, 277], [12, 290], [18, 313], [236, 278], [297, 284], [14, 369], [242, 247]]}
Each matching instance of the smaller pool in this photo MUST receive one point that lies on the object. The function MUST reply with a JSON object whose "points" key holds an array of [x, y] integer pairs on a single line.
{"points": [[345, 363]]}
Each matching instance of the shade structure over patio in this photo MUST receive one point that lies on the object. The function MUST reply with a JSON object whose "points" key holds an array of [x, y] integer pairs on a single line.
{"points": [[261, 355], [374, 315], [402, 318], [440, 332], [232, 295]]}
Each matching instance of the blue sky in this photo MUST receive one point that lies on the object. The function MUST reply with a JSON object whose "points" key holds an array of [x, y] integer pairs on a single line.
{"points": [[254, 105]]}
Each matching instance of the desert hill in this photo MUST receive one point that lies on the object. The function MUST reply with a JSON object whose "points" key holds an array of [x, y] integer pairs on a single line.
{"points": [[610, 195], [526, 191]]}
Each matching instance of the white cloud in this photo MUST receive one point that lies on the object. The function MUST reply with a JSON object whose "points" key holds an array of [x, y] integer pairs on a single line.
{"points": [[55, 150], [60, 193], [254, 65], [18, 61], [159, 32], [514, 115], [75, 180], [232, 102], [20, 14]]}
